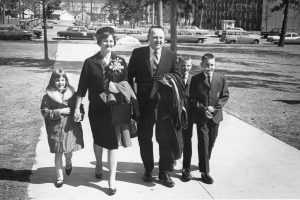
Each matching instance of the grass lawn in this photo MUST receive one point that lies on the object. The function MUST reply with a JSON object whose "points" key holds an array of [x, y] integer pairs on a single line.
{"points": [[264, 92], [22, 84]]}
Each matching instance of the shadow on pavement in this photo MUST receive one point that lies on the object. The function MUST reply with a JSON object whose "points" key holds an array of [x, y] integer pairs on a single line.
{"points": [[26, 62], [15, 175]]}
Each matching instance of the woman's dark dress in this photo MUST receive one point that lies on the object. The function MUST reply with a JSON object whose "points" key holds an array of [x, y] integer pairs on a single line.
{"points": [[92, 80]]}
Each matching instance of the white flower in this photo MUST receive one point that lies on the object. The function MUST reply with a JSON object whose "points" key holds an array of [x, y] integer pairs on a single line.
{"points": [[115, 65]]}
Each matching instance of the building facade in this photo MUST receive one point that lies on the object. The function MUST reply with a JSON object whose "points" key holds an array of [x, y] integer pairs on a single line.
{"points": [[272, 20], [93, 7], [246, 13]]}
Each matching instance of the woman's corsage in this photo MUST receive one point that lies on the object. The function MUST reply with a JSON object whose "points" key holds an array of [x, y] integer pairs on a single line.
{"points": [[116, 65]]}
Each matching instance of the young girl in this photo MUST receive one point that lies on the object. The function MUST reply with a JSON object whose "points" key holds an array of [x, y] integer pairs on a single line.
{"points": [[64, 134]]}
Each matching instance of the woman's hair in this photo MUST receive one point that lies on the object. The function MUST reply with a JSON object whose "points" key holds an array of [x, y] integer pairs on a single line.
{"points": [[104, 33], [57, 73]]}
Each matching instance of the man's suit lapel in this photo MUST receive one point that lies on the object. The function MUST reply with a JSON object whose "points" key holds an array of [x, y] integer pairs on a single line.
{"points": [[162, 60], [149, 67]]}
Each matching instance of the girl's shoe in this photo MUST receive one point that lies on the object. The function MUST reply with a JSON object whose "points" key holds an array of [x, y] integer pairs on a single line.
{"points": [[59, 183], [98, 176], [112, 191], [68, 169]]}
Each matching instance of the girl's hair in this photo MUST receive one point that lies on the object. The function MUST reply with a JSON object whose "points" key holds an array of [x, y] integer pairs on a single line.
{"points": [[104, 33], [57, 73]]}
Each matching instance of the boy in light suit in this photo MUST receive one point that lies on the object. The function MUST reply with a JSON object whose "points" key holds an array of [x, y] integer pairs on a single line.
{"points": [[208, 95]]}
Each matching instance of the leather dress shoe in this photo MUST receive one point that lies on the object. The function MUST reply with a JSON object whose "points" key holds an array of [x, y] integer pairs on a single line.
{"points": [[68, 169], [186, 175], [59, 183], [206, 178], [166, 180], [98, 176], [112, 191], [147, 176]]}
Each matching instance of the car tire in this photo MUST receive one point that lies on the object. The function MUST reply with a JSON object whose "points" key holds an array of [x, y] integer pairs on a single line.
{"points": [[200, 41], [26, 37], [255, 42]]}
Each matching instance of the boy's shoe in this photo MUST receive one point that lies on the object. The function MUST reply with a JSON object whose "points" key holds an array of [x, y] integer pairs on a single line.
{"points": [[166, 180], [59, 183], [186, 175], [68, 169], [147, 176], [98, 176], [206, 178]]}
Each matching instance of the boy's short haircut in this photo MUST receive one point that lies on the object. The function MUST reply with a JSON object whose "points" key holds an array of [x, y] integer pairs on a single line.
{"points": [[207, 56], [183, 58]]}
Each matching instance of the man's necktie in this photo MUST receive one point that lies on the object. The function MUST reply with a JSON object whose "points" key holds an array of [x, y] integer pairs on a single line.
{"points": [[155, 61], [209, 79]]}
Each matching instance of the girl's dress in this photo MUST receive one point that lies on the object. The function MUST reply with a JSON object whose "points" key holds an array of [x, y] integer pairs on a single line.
{"points": [[64, 134]]}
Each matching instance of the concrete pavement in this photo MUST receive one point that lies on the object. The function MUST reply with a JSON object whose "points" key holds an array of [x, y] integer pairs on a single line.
{"points": [[246, 162]]}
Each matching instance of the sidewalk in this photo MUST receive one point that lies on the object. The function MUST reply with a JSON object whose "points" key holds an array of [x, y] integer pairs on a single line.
{"points": [[246, 162]]}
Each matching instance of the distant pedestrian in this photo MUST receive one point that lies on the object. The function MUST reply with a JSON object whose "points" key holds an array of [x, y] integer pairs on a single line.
{"points": [[104, 76], [64, 134], [208, 95]]}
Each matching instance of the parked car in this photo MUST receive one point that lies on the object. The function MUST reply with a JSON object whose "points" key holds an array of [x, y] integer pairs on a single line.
{"points": [[290, 38], [141, 36], [36, 32], [195, 30], [49, 25], [12, 32], [219, 32], [274, 31], [239, 37], [185, 36], [77, 32]]}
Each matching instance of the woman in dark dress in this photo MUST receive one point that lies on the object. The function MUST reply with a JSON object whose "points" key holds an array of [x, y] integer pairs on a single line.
{"points": [[93, 78]]}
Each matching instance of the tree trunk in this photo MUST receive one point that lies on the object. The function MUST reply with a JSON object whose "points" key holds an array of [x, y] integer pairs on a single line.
{"points": [[284, 24], [46, 57], [173, 25], [160, 21]]}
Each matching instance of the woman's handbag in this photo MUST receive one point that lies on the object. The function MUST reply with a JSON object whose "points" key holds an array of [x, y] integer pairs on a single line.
{"points": [[121, 113], [82, 112], [133, 129]]}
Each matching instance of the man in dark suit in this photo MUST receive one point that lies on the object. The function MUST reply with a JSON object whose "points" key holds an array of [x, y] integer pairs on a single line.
{"points": [[208, 94], [145, 65]]}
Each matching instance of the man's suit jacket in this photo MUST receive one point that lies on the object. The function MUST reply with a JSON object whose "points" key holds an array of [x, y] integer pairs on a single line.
{"points": [[215, 94], [140, 69]]}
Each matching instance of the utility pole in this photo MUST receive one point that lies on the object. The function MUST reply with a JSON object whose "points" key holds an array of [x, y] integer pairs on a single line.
{"points": [[160, 19], [91, 10], [153, 13], [173, 24], [46, 57], [82, 10]]}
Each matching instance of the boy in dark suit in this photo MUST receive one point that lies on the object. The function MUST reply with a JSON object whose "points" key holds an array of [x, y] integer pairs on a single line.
{"points": [[208, 95], [185, 63]]}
